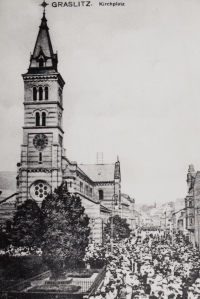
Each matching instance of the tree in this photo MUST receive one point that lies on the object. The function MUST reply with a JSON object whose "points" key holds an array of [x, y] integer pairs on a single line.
{"points": [[121, 229], [26, 228], [4, 241], [65, 230]]}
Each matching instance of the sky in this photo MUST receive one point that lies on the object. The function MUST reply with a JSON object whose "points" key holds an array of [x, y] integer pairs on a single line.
{"points": [[132, 87]]}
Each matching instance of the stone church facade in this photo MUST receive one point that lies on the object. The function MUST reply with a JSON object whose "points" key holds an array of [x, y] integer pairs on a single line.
{"points": [[44, 165]]}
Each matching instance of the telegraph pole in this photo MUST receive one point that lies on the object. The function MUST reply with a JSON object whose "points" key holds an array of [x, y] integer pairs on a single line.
{"points": [[114, 197]]}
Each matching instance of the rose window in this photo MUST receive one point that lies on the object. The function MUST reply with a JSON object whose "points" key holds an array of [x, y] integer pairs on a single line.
{"points": [[39, 190]]}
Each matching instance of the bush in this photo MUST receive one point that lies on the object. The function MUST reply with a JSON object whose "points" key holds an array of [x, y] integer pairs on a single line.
{"points": [[85, 274], [54, 288], [23, 267]]}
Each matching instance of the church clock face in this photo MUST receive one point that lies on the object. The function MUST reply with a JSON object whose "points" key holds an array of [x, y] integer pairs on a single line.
{"points": [[40, 141]]}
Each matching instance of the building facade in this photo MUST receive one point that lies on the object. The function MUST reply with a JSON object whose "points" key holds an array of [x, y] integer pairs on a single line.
{"points": [[179, 217], [44, 165], [127, 210], [192, 206]]}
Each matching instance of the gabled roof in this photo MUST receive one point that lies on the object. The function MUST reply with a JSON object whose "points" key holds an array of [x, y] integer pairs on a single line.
{"points": [[145, 215], [125, 201], [104, 209], [11, 198], [136, 213], [99, 172], [128, 197]]}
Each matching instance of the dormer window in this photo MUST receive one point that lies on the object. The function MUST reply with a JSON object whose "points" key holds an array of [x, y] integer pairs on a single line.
{"points": [[41, 62]]}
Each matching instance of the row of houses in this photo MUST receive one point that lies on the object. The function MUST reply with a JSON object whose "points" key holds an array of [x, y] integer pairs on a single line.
{"points": [[192, 206], [183, 217], [169, 217]]}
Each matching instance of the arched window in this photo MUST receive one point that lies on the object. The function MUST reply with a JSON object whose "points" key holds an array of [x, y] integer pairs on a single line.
{"points": [[40, 157], [46, 92], [41, 62], [37, 119], [43, 119], [34, 94], [190, 204], [40, 93], [81, 187], [100, 194]]}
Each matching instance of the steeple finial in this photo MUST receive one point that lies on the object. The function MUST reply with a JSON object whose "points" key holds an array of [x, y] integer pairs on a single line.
{"points": [[44, 4]]}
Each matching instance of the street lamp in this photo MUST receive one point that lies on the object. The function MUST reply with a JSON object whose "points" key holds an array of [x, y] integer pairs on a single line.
{"points": [[114, 199]]}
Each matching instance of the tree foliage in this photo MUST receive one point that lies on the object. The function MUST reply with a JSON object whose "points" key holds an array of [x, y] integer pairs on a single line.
{"points": [[60, 228], [21, 267], [4, 239], [65, 230], [26, 230], [121, 229]]}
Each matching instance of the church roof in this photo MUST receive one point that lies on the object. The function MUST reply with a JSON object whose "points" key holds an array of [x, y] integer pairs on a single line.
{"points": [[43, 44], [43, 57], [99, 172]]}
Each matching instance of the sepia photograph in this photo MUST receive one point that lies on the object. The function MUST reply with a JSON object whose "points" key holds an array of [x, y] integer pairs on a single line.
{"points": [[100, 149]]}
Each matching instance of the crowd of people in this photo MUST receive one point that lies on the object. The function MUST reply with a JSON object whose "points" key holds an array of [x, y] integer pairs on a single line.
{"points": [[20, 251], [150, 266]]}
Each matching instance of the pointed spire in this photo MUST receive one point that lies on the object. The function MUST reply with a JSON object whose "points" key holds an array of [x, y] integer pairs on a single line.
{"points": [[117, 174], [43, 40], [190, 177], [44, 22], [191, 168], [43, 55]]}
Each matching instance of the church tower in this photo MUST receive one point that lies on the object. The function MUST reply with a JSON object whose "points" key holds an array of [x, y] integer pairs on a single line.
{"points": [[40, 169]]}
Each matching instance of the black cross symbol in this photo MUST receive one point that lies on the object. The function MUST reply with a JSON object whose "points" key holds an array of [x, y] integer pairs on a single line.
{"points": [[44, 4]]}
